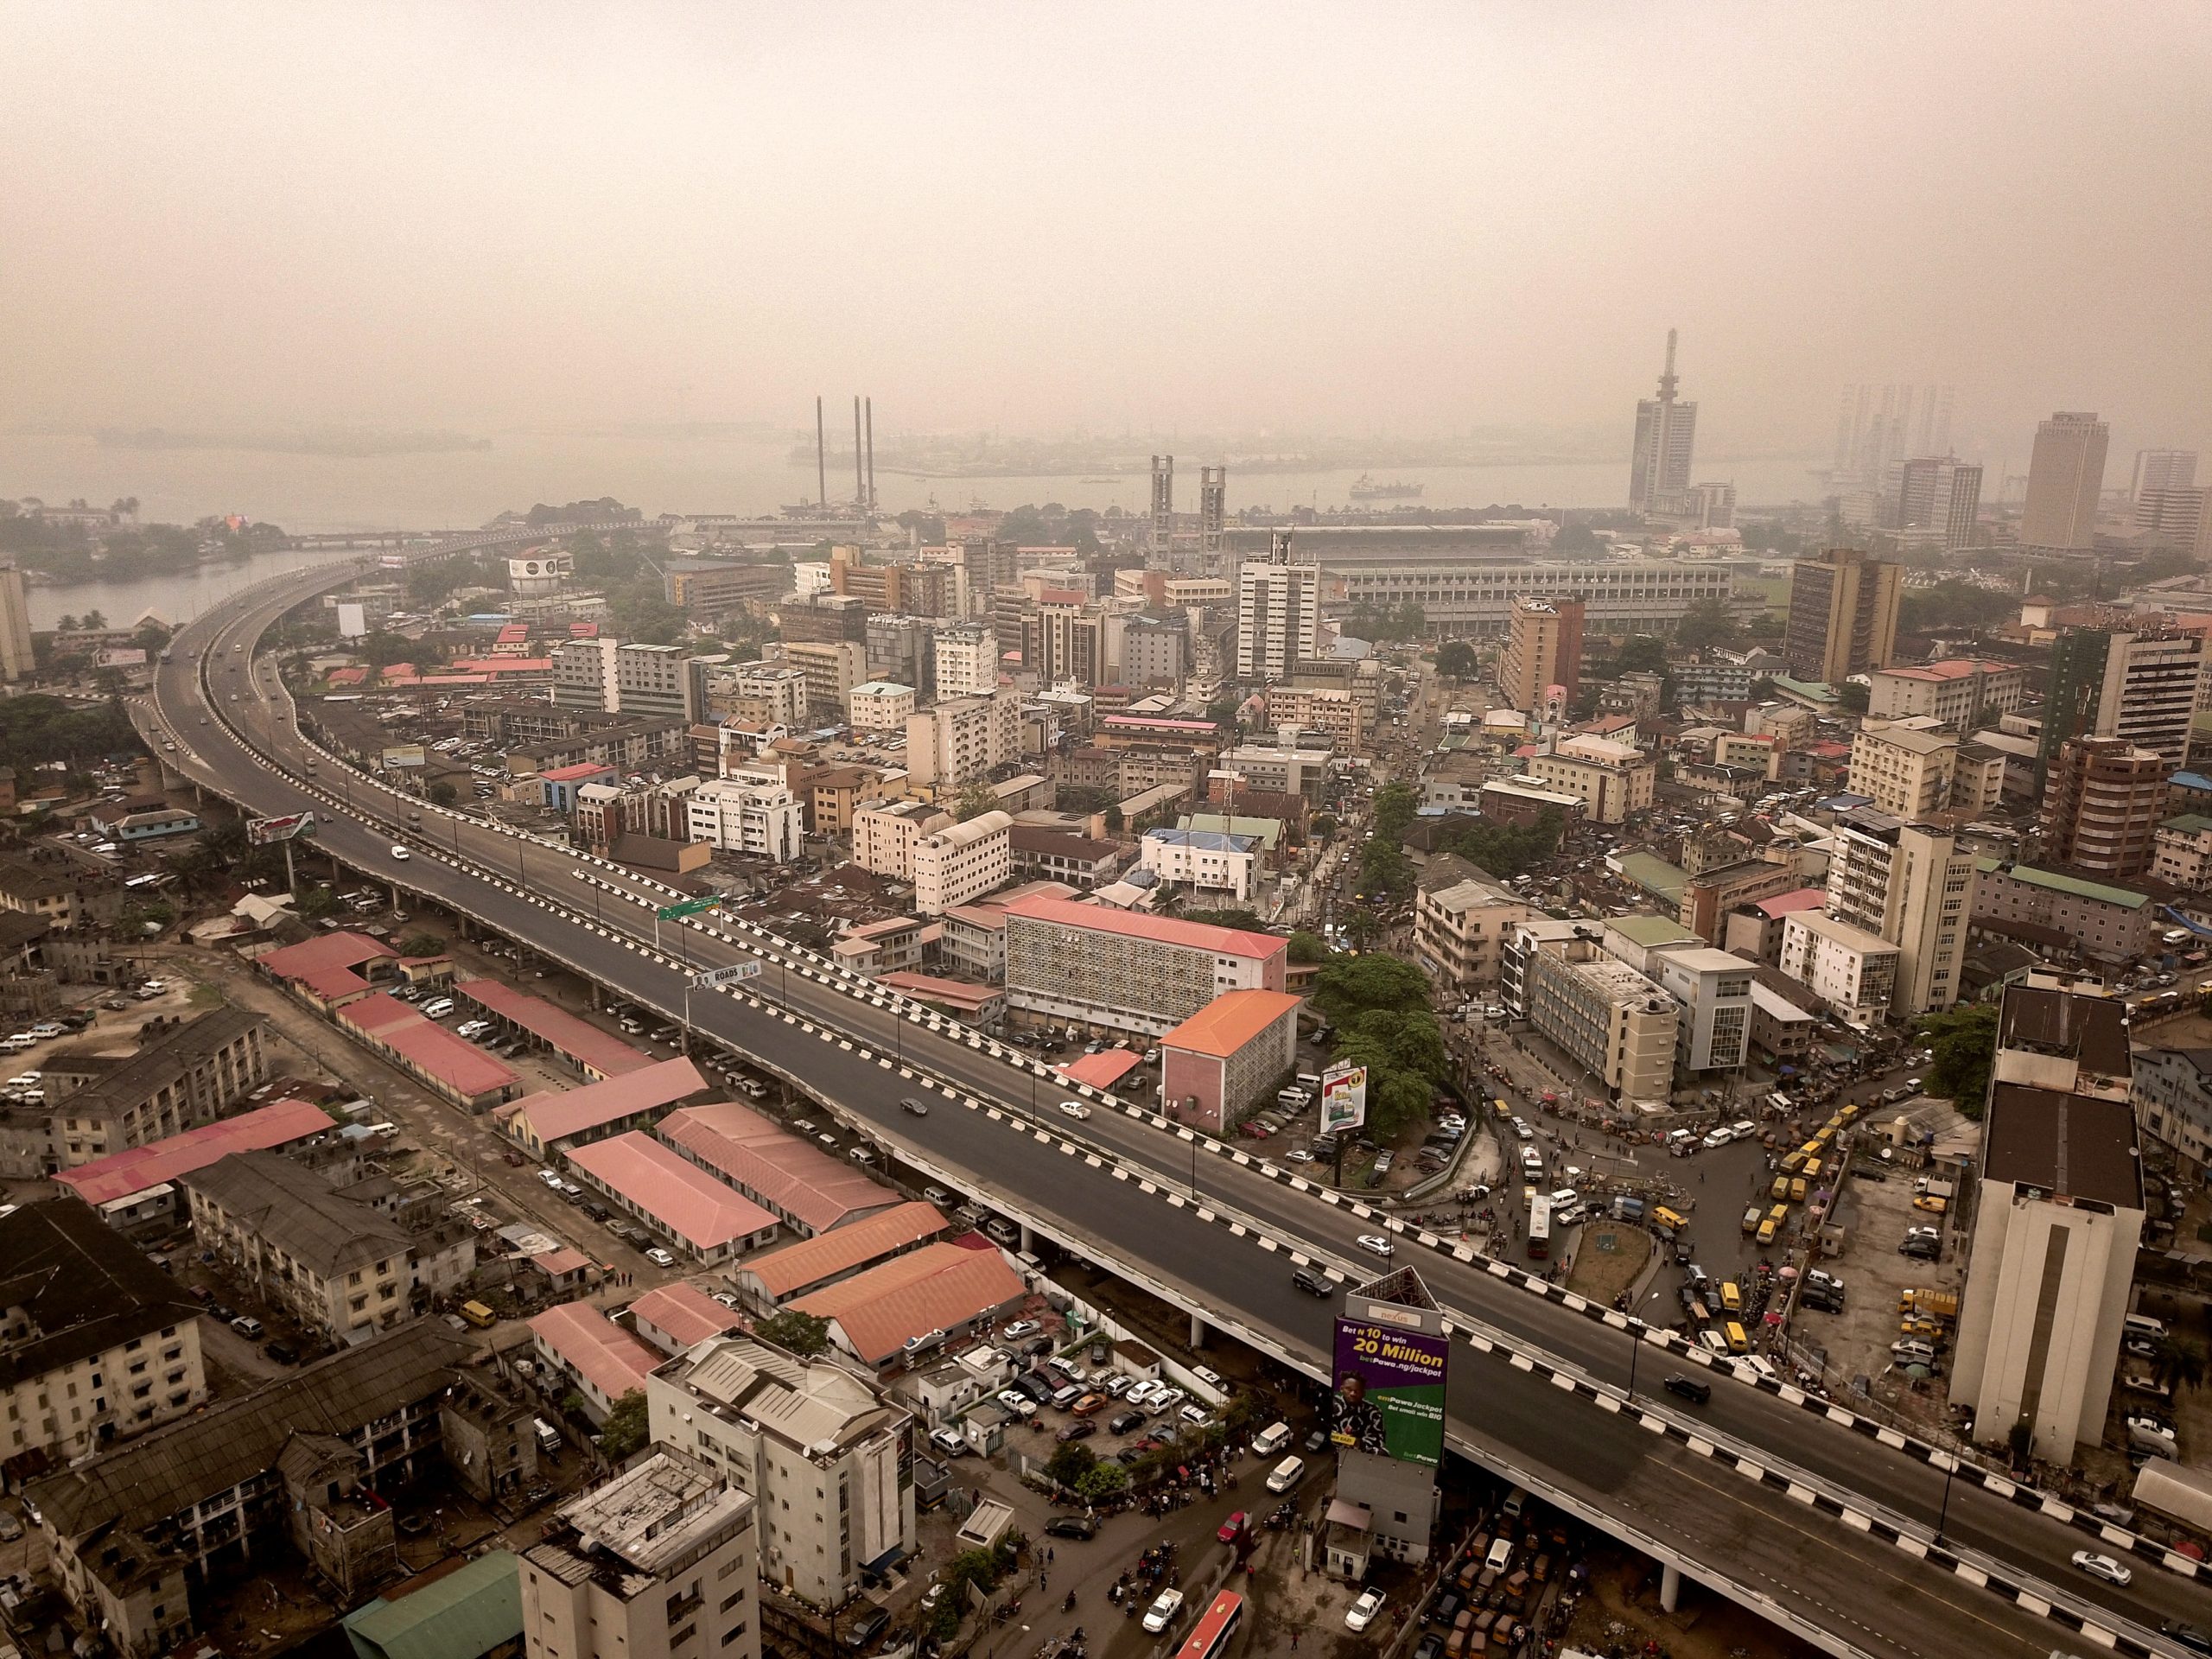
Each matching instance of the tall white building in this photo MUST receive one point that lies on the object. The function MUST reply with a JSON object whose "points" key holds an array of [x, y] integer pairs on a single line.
{"points": [[655, 682], [584, 675], [1278, 613], [778, 689], [827, 1454], [2066, 472], [14, 623], [1714, 989], [967, 660], [661, 1562], [749, 812], [2163, 469], [1911, 885], [1940, 495], [962, 739], [963, 861], [1666, 442], [2056, 1222]]}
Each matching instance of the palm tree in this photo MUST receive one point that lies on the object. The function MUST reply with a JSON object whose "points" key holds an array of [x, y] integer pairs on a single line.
{"points": [[2182, 1364], [95, 620]]}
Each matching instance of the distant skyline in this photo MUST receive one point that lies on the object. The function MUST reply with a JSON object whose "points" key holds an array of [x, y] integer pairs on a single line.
{"points": [[1231, 220]]}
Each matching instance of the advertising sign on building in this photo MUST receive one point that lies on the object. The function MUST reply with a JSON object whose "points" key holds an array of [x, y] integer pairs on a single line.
{"points": [[353, 619], [1389, 1391], [119, 657], [1343, 1098], [405, 755], [261, 832]]}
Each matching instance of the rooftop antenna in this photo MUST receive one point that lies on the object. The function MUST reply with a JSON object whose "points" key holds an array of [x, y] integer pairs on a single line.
{"points": [[821, 459], [1669, 380], [871, 454]]}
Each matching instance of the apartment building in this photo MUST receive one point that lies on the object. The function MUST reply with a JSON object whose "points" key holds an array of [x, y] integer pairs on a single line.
{"points": [[2066, 472], [963, 740], [967, 659], [2049, 910], [1614, 1023], [1964, 693], [584, 677], [1065, 645], [1917, 768], [1081, 861], [1207, 861], [880, 705], [660, 1562], [1278, 612], [2056, 1221], [1854, 971], [749, 812], [1117, 970], [1843, 615], [623, 744], [2103, 800], [903, 650], [2181, 851], [1611, 779], [1713, 988], [832, 668], [1148, 650], [962, 861], [1911, 885], [99, 1343], [1343, 717], [100, 1100], [657, 683], [1461, 933], [716, 586], [885, 831], [2172, 1096], [331, 1261], [1543, 648], [766, 694], [2141, 684], [827, 1454], [820, 615], [1229, 1058]]}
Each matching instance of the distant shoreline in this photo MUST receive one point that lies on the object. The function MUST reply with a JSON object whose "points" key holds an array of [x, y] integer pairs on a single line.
{"points": [[367, 446]]}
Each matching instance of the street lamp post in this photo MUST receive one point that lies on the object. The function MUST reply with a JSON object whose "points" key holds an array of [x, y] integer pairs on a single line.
{"points": [[1942, 1515]]}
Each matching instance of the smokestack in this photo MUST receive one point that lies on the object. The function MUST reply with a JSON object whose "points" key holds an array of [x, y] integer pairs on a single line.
{"points": [[860, 490], [871, 454], [821, 459]]}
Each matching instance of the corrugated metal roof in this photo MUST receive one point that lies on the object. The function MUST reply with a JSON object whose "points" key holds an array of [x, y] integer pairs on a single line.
{"points": [[1230, 1021], [795, 1267], [585, 1044], [559, 1113], [935, 1289], [1197, 935], [121, 1174], [611, 1360], [687, 1314], [458, 1614], [754, 1154], [681, 1196]]}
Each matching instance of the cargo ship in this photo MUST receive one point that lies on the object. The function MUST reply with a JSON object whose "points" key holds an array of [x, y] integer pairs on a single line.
{"points": [[1364, 488]]}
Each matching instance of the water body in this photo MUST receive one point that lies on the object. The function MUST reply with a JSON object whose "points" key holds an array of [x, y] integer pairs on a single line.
{"points": [[175, 597], [461, 489]]}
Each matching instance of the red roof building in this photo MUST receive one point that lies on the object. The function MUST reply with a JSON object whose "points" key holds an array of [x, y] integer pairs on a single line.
{"points": [[674, 1317], [1117, 970], [940, 1288], [547, 1122], [1105, 1069], [123, 1176], [773, 1277], [585, 1047], [326, 971], [598, 1356], [796, 1181], [695, 1212], [1227, 1060], [456, 1068]]}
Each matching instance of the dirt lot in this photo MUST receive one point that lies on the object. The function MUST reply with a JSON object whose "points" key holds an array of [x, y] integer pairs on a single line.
{"points": [[1603, 1275], [1876, 1214]]}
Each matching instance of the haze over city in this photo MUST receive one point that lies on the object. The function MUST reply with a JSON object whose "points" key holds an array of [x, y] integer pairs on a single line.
{"points": [[248, 219]]}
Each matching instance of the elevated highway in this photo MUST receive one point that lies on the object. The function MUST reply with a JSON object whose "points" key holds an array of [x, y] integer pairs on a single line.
{"points": [[1789, 1506]]}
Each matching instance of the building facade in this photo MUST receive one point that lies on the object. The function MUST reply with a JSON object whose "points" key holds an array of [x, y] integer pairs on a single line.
{"points": [[1843, 615], [1115, 970], [1543, 648], [2103, 801], [962, 861], [749, 812], [1278, 613], [2066, 472], [1610, 1020], [1852, 971], [1911, 885]]}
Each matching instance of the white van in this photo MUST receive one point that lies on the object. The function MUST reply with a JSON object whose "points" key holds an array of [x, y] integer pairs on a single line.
{"points": [[1287, 1474], [2142, 1325], [1270, 1439], [1744, 1129], [439, 1008], [549, 1438]]}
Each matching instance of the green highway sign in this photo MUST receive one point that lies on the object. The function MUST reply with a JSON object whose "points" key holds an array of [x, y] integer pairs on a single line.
{"points": [[687, 908]]}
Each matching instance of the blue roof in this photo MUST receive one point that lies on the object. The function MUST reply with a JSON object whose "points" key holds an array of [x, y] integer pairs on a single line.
{"points": [[1208, 840], [2190, 780]]}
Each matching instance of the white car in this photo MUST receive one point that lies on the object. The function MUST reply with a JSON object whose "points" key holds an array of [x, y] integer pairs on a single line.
{"points": [[2101, 1566], [1196, 1416], [400, 852], [1021, 1328], [659, 1257], [1376, 1244], [1211, 1379], [1074, 1108], [1362, 1612], [1017, 1403], [1161, 1613], [551, 1177]]}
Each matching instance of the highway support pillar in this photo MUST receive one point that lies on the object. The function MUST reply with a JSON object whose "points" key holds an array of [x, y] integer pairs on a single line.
{"points": [[1197, 1331], [1670, 1587], [1028, 1240]]}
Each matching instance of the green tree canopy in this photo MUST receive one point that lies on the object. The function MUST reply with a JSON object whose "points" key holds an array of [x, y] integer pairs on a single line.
{"points": [[974, 801], [1395, 806], [1307, 947], [1642, 654], [1705, 623], [1457, 658], [1384, 869], [1852, 697], [1964, 1043], [1348, 986], [1103, 1481], [625, 1431], [800, 1334], [422, 944], [1069, 1462]]}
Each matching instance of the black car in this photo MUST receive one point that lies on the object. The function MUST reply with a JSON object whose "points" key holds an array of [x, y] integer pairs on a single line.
{"points": [[1445, 1608], [1071, 1526], [918, 1108], [1312, 1282], [1081, 1429], [1124, 1421], [223, 1312], [1688, 1388], [1431, 1647], [2189, 1636], [280, 1353], [865, 1627]]}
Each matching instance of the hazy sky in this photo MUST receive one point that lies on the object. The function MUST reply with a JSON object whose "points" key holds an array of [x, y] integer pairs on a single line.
{"points": [[1400, 218]]}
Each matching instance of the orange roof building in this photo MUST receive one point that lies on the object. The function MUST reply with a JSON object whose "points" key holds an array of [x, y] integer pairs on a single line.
{"points": [[942, 1288], [1227, 1060]]}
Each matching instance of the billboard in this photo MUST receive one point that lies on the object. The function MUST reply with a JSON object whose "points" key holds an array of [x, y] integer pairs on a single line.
{"points": [[261, 832], [1389, 1389], [1343, 1098], [353, 619], [405, 755], [119, 657]]}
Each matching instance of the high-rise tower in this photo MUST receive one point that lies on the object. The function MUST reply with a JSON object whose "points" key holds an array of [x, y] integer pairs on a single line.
{"points": [[2065, 474], [1213, 500], [1163, 502], [1666, 435]]}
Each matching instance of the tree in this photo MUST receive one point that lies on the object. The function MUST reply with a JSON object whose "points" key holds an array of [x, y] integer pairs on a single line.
{"points": [[1114, 819], [1456, 659], [1322, 826], [423, 945], [800, 1334], [1069, 1462], [1852, 697], [1250, 920], [1964, 1041], [974, 800], [95, 620], [65, 623], [1705, 623], [624, 1430], [1407, 1038], [1384, 869], [444, 793], [1307, 947], [1102, 1482], [2181, 1363], [1642, 654], [1349, 986], [1575, 538], [315, 903], [1362, 927], [1395, 805]]}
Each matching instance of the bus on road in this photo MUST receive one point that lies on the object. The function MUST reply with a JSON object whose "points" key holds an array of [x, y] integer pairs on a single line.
{"points": [[1209, 1637], [1540, 1226]]}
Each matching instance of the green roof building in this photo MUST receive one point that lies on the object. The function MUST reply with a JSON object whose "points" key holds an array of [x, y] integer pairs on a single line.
{"points": [[473, 1612]]}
